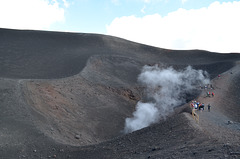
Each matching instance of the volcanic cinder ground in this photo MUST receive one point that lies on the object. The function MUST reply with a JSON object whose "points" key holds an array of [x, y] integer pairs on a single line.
{"points": [[67, 95]]}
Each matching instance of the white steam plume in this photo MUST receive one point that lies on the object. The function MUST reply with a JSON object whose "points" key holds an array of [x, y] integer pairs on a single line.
{"points": [[166, 89]]}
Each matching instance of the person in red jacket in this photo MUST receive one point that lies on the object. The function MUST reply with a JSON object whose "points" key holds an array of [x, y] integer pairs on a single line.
{"points": [[213, 94]]}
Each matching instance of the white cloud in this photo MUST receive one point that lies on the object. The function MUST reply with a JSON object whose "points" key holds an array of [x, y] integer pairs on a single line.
{"points": [[143, 9], [215, 28], [146, 1], [152, 1], [66, 4], [184, 1], [30, 14]]}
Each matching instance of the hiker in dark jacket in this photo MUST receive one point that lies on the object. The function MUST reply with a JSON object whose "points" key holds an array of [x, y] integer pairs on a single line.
{"points": [[209, 107], [202, 106]]}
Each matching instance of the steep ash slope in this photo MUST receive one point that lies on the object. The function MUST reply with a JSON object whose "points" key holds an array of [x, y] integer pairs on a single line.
{"points": [[45, 55]]}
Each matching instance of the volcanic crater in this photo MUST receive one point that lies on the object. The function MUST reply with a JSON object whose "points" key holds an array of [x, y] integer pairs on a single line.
{"points": [[67, 95]]}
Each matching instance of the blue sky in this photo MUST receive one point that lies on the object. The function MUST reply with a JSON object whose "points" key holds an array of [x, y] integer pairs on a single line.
{"points": [[174, 24], [93, 15]]}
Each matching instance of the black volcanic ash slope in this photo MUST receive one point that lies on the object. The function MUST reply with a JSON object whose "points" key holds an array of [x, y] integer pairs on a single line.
{"points": [[64, 89], [45, 55]]}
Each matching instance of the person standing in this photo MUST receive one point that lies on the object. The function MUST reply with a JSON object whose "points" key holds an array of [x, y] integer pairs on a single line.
{"points": [[213, 94], [208, 94], [209, 107]]}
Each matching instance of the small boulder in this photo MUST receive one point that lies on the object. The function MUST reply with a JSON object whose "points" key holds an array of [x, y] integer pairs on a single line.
{"points": [[230, 122], [77, 136]]}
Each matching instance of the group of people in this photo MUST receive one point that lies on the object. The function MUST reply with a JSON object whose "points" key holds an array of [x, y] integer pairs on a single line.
{"points": [[199, 106], [208, 86], [209, 94]]}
